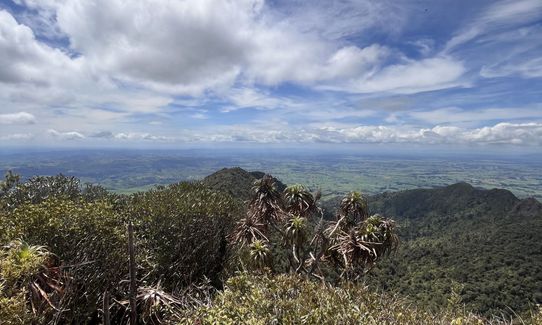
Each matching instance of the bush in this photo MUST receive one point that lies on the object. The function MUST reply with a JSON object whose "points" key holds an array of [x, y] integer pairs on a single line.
{"points": [[291, 299], [181, 231], [180, 238], [88, 237], [40, 188]]}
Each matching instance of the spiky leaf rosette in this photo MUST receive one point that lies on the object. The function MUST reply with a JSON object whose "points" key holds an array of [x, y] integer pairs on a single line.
{"points": [[354, 208], [299, 201], [260, 253], [266, 206], [33, 269], [246, 231], [357, 249]]}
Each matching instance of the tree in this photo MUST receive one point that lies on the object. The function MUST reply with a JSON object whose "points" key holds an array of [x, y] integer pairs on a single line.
{"points": [[290, 226]]}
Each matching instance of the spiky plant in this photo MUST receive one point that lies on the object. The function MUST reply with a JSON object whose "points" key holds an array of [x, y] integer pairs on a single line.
{"points": [[260, 253], [35, 270], [361, 246], [266, 206], [154, 306], [296, 236], [299, 201], [246, 231], [354, 208]]}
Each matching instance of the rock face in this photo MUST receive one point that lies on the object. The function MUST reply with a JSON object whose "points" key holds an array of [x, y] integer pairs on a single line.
{"points": [[236, 181]]}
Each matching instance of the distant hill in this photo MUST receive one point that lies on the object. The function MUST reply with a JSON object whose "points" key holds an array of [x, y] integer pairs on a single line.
{"points": [[236, 181], [488, 242]]}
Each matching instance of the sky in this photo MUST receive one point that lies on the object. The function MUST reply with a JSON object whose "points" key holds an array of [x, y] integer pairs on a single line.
{"points": [[165, 73]]}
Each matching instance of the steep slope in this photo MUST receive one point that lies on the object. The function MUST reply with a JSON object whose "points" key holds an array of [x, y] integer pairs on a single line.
{"points": [[236, 181], [486, 243]]}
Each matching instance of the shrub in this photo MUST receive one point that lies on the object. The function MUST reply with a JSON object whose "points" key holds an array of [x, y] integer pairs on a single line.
{"points": [[292, 299], [181, 231]]}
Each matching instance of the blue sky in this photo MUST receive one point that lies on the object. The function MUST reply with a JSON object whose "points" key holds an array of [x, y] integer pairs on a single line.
{"points": [[296, 73]]}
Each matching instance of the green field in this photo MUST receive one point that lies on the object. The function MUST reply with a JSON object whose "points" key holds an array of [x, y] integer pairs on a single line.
{"points": [[131, 171]]}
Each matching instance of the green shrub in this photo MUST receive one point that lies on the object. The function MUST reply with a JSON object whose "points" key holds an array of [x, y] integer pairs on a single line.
{"points": [[291, 299], [181, 232], [88, 237]]}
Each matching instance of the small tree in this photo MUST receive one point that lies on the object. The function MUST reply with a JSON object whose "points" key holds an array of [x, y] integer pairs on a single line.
{"points": [[290, 226]]}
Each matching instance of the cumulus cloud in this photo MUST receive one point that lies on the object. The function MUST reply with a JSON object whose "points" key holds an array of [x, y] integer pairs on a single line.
{"points": [[129, 136], [523, 134], [189, 47], [526, 134], [17, 118], [30, 62], [156, 66]]}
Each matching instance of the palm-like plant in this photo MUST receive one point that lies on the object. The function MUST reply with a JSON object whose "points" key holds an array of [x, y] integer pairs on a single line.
{"points": [[260, 253], [299, 201], [296, 235], [361, 246], [246, 231], [354, 208], [155, 306], [266, 206]]}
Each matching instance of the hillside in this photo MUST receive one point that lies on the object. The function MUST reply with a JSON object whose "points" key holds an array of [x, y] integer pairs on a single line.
{"points": [[236, 182], [487, 242]]}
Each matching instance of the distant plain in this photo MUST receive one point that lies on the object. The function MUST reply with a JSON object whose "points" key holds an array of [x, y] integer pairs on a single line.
{"points": [[127, 171]]}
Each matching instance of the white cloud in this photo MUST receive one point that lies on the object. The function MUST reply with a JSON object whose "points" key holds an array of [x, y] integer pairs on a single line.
{"points": [[525, 134], [498, 16], [190, 47], [70, 135], [507, 133], [503, 40], [518, 134], [17, 118], [30, 62], [528, 68], [410, 77]]}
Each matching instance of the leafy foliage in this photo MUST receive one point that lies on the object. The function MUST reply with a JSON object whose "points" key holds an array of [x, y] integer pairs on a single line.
{"points": [[178, 225], [175, 227], [65, 245], [39, 188], [290, 299]]}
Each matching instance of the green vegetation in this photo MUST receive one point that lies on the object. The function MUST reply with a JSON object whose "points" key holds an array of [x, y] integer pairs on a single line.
{"points": [[203, 256], [289, 299], [175, 227], [487, 242]]}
